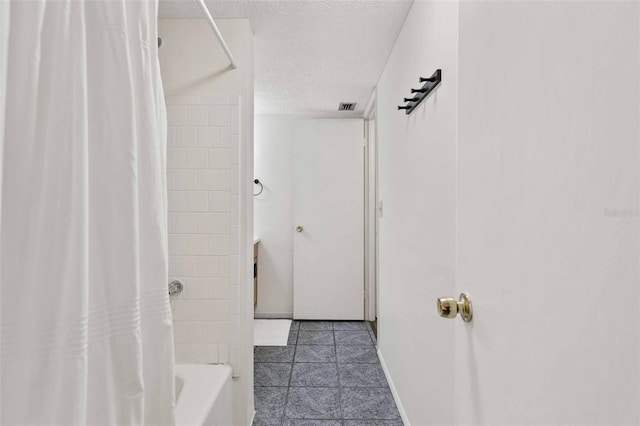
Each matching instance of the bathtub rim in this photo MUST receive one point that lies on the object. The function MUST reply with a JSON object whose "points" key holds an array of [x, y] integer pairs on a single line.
{"points": [[202, 386]]}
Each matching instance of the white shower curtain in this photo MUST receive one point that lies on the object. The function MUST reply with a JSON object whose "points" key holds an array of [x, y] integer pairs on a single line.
{"points": [[86, 324]]}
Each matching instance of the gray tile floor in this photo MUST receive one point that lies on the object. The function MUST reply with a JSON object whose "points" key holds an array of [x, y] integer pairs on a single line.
{"points": [[328, 375]]}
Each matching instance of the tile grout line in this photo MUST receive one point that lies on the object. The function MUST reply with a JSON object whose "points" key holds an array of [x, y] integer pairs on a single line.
{"points": [[293, 360], [335, 350], [334, 345]]}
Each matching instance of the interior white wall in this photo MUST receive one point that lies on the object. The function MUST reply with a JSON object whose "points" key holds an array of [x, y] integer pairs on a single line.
{"points": [[416, 157], [538, 139], [370, 202], [548, 222], [274, 214], [193, 65]]}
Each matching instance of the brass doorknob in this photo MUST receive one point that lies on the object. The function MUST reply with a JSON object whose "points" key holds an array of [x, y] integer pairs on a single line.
{"points": [[299, 228], [448, 307]]}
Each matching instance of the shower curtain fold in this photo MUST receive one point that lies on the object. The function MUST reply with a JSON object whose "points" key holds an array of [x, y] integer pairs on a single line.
{"points": [[86, 333]]}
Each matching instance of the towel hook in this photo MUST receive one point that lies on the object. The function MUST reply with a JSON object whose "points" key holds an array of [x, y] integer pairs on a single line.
{"points": [[257, 182]]}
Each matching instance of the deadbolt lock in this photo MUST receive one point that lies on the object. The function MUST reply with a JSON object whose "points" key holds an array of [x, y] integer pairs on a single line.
{"points": [[448, 307], [299, 228]]}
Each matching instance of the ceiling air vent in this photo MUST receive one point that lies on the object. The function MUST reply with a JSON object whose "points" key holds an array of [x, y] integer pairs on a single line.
{"points": [[347, 106]]}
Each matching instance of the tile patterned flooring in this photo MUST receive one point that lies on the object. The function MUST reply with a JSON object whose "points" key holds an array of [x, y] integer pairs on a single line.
{"points": [[328, 375]]}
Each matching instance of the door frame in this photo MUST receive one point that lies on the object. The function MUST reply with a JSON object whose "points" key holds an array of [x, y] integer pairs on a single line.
{"points": [[370, 211]]}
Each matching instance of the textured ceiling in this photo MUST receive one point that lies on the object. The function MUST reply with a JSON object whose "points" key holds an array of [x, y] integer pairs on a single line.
{"points": [[311, 54]]}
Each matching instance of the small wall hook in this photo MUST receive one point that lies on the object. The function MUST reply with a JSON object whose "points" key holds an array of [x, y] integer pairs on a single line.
{"points": [[429, 84], [429, 79], [257, 182]]}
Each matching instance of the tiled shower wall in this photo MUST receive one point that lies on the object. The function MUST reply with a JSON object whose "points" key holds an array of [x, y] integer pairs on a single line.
{"points": [[202, 179]]}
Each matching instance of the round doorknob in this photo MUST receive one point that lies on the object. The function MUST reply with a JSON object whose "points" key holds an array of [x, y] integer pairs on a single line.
{"points": [[299, 228], [448, 307]]}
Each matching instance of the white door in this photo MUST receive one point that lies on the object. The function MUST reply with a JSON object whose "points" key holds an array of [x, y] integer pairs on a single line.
{"points": [[547, 235], [328, 220]]}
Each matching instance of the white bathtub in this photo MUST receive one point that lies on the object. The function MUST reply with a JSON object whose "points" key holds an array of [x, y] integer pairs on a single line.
{"points": [[203, 395]]}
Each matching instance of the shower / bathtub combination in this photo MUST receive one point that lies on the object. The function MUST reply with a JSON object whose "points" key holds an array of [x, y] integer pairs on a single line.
{"points": [[203, 395], [87, 328]]}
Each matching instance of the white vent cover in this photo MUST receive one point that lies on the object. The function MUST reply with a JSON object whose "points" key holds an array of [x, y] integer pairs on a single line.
{"points": [[347, 106]]}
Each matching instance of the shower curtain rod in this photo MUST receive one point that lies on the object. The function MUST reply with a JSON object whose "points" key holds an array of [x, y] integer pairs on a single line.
{"points": [[215, 29]]}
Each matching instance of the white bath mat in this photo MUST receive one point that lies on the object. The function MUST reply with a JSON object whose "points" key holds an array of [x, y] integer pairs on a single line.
{"points": [[271, 332]]}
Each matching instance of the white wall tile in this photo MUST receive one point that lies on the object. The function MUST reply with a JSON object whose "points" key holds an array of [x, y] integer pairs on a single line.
{"points": [[235, 180], [185, 309], [186, 223], [234, 269], [182, 352], [235, 150], [197, 201], [224, 266], [196, 332], [219, 115], [224, 138], [208, 136], [171, 179], [234, 209], [209, 179], [223, 352], [234, 322], [182, 100], [219, 245], [186, 179], [185, 266], [208, 353], [171, 135], [171, 223], [202, 148], [197, 245], [186, 136], [224, 180], [213, 223], [176, 115], [179, 331], [176, 158], [197, 158], [234, 299], [220, 288], [197, 288], [235, 119], [234, 360], [172, 266], [218, 331], [198, 115], [207, 266], [234, 240], [222, 311], [177, 201], [215, 99], [219, 158], [219, 201], [177, 245], [207, 309]]}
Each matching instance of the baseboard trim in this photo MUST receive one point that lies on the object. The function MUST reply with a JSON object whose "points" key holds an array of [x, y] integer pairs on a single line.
{"points": [[394, 392], [273, 315]]}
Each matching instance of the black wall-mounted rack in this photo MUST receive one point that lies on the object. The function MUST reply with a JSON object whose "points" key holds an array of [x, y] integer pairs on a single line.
{"points": [[420, 94]]}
